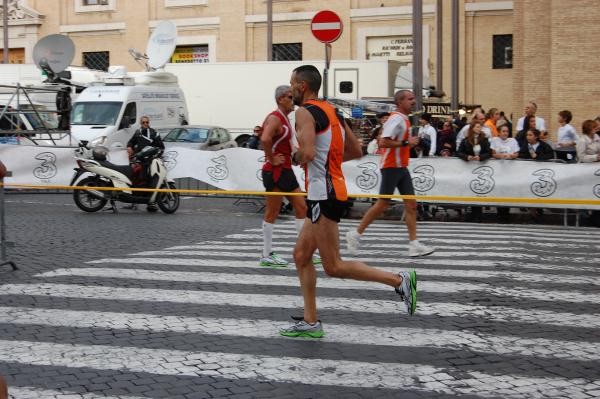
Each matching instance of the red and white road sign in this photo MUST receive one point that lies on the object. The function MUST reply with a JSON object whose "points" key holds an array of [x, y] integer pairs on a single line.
{"points": [[326, 26]]}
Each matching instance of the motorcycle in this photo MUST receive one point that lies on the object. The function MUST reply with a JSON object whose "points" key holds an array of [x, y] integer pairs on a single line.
{"points": [[103, 173]]}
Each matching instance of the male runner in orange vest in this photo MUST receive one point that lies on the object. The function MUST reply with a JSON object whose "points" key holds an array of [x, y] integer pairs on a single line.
{"points": [[396, 142], [325, 141]]}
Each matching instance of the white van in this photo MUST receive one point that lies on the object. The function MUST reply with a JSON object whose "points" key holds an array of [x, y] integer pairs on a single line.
{"points": [[108, 113]]}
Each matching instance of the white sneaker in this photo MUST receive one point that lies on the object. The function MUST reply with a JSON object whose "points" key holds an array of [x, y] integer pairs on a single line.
{"points": [[352, 241], [415, 248]]}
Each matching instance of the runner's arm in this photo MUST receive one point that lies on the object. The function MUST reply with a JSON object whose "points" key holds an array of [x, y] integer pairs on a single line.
{"points": [[352, 147], [271, 126], [305, 129]]}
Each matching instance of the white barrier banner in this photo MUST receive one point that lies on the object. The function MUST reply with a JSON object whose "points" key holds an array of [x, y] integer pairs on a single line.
{"points": [[239, 169]]}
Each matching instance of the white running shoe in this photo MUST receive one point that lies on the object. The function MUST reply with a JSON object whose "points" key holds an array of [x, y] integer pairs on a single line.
{"points": [[352, 241], [415, 248], [273, 260]]}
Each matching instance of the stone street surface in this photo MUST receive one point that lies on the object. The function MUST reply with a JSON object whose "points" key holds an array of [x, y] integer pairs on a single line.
{"points": [[140, 305]]}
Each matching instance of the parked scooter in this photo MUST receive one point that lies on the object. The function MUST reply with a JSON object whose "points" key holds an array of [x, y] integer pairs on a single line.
{"points": [[103, 173]]}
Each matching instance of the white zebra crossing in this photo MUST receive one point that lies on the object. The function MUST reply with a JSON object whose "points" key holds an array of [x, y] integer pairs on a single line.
{"points": [[464, 251], [391, 306], [283, 369], [339, 333]]}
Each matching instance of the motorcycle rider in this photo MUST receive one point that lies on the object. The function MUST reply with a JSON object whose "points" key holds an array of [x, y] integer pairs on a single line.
{"points": [[144, 136]]}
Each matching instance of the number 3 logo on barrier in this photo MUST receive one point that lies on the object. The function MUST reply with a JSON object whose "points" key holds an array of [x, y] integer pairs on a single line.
{"points": [[484, 183], [545, 185], [219, 171], [47, 168], [597, 186], [368, 177], [423, 178]]}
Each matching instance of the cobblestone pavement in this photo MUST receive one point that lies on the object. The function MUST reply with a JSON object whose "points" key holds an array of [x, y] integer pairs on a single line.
{"points": [[175, 306]]}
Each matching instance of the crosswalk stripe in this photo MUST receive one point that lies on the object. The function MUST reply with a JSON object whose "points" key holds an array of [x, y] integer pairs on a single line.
{"points": [[542, 277], [485, 232], [251, 279], [486, 245], [40, 393], [282, 369], [438, 254], [399, 263], [392, 306], [338, 333], [390, 237]]}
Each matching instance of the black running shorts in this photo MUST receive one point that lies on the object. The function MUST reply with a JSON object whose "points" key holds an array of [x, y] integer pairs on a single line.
{"points": [[331, 209], [392, 178], [287, 181]]}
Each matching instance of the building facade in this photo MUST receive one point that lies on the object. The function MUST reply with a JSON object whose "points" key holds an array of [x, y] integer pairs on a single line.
{"points": [[236, 30]]}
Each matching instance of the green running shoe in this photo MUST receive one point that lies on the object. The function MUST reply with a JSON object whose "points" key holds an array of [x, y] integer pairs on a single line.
{"points": [[408, 290], [304, 329]]}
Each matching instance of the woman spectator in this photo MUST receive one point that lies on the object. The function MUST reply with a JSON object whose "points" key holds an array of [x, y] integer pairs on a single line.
{"points": [[566, 138], [588, 145], [534, 148], [475, 147], [447, 140], [521, 137], [504, 147]]}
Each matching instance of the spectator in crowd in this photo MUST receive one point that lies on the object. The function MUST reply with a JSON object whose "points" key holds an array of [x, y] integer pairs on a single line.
{"points": [[477, 117], [254, 140], [588, 145], [475, 147], [503, 120], [545, 137], [427, 136], [504, 147], [447, 140], [535, 148], [529, 112], [373, 147], [597, 125], [521, 136], [566, 138], [491, 119]]}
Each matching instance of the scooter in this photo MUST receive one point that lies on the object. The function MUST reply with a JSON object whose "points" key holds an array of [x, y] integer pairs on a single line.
{"points": [[103, 173]]}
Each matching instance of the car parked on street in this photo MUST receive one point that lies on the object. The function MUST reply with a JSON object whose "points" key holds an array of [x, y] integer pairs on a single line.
{"points": [[198, 137]]}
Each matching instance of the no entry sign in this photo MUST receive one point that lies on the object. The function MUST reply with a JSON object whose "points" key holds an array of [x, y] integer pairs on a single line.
{"points": [[326, 26]]}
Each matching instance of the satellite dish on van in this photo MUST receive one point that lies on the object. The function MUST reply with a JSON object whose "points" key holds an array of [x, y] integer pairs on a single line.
{"points": [[161, 44], [53, 53]]}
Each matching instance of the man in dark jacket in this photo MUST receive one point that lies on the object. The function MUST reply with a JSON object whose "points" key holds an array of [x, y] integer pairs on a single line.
{"points": [[143, 137]]}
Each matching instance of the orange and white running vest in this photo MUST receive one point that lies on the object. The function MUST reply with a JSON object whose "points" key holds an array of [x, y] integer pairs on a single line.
{"points": [[397, 128], [324, 177]]}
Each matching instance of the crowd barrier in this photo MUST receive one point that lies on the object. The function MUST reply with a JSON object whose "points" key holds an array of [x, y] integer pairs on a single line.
{"points": [[436, 180]]}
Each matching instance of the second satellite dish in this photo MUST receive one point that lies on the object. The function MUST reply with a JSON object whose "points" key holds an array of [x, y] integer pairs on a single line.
{"points": [[54, 52], [161, 44]]}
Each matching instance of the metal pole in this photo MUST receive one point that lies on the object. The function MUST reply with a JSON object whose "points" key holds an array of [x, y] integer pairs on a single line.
{"points": [[439, 70], [5, 30], [269, 30], [454, 81], [326, 70], [417, 71]]}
